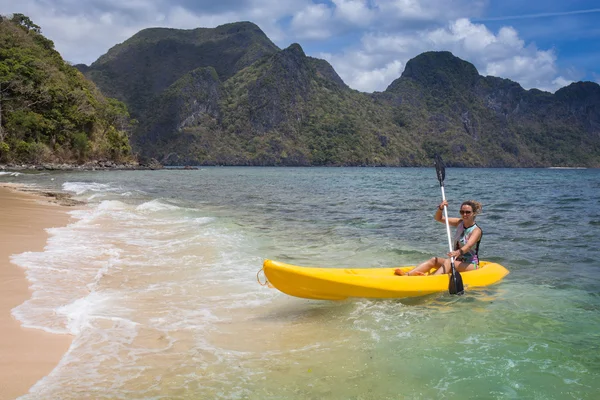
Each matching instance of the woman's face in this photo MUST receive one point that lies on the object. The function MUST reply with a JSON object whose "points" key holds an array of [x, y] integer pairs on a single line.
{"points": [[466, 212]]}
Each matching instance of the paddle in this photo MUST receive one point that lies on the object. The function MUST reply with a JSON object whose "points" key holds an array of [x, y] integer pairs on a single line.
{"points": [[456, 284]]}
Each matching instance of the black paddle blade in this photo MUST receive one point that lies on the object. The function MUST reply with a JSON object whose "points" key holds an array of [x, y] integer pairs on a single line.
{"points": [[440, 169], [456, 284]]}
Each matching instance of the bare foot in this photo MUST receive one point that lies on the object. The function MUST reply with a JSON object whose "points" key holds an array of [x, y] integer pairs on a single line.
{"points": [[399, 272]]}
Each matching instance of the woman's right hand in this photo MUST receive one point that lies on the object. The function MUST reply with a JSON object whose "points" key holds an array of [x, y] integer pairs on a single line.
{"points": [[442, 205]]}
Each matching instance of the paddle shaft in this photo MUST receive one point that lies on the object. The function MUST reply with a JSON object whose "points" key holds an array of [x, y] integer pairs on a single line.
{"points": [[455, 286], [447, 225]]}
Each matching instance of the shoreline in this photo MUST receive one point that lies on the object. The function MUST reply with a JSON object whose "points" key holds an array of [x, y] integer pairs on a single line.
{"points": [[26, 355], [98, 166], [88, 166]]}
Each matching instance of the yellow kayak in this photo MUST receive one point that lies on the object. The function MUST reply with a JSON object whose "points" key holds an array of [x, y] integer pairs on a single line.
{"points": [[379, 283]]}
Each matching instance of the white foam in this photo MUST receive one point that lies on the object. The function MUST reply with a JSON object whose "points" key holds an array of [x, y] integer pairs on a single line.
{"points": [[155, 206], [470, 340], [203, 220], [81, 312], [74, 261], [80, 188], [111, 205], [10, 173]]}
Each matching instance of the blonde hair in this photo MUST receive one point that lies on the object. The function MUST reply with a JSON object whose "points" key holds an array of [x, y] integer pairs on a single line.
{"points": [[475, 205]]}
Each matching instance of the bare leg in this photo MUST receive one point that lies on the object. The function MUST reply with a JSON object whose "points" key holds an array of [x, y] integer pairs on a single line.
{"points": [[444, 268], [459, 265], [423, 268]]}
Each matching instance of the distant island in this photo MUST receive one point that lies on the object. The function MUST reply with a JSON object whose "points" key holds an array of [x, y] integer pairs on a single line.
{"points": [[229, 96]]}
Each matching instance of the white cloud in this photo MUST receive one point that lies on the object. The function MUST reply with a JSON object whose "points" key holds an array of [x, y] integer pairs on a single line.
{"points": [[378, 77], [363, 72], [532, 69], [355, 12], [407, 9], [312, 22], [561, 82], [327, 20], [184, 19], [462, 34], [503, 54], [390, 43], [403, 12]]}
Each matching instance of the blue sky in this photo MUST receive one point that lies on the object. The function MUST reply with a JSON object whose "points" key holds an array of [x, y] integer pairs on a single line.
{"points": [[540, 44]]}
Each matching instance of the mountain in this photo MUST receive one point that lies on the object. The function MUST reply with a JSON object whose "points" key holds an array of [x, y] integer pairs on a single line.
{"points": [[490, 121], [286, 109], [153, 59], [49, 112], [229, 96]]}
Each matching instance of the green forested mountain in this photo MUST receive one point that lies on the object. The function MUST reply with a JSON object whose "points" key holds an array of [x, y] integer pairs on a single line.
{"points": [[49, 111], [229, 96]]}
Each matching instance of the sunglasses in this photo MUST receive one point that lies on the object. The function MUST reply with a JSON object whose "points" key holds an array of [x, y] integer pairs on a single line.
{"points": [[463, 212]]}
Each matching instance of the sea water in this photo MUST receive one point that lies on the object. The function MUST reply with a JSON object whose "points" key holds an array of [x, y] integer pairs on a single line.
{"points": [[156, 279]]}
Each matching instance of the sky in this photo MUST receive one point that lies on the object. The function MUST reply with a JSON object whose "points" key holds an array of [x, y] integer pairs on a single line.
{"points": [[543, 44]]}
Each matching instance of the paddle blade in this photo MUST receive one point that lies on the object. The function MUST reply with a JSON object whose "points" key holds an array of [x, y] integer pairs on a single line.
{"points": [[456, 284], [440, 169]]}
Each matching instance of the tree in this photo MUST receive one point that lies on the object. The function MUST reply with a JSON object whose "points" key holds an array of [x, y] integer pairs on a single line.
{"points": [[3, 90], [48, 110], [2, 135], [25, 22]]}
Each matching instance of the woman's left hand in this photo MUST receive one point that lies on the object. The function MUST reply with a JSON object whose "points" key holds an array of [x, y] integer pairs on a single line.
{"points": [[455, 254]]}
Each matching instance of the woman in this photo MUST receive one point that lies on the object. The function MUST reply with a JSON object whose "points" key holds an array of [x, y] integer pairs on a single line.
{"points": [[466, 242]]}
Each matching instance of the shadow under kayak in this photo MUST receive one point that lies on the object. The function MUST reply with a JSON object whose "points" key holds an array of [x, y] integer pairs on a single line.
{"points": [[378, 283]]}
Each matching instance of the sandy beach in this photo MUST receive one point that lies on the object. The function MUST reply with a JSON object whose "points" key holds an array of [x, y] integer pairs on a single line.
{"points": [[26, 355]]}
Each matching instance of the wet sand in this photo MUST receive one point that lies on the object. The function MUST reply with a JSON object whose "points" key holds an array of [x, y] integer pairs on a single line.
{"points": [[26, 355]]}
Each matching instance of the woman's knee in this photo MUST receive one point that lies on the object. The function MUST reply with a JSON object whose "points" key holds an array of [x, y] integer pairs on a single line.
{"points": [[445, 268]]}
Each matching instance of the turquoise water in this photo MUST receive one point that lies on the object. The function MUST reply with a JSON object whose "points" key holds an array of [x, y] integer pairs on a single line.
{"points": [[156, 279]]}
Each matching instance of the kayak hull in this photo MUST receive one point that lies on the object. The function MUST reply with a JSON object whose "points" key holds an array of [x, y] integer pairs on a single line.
{"points": [[377, 283]]}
